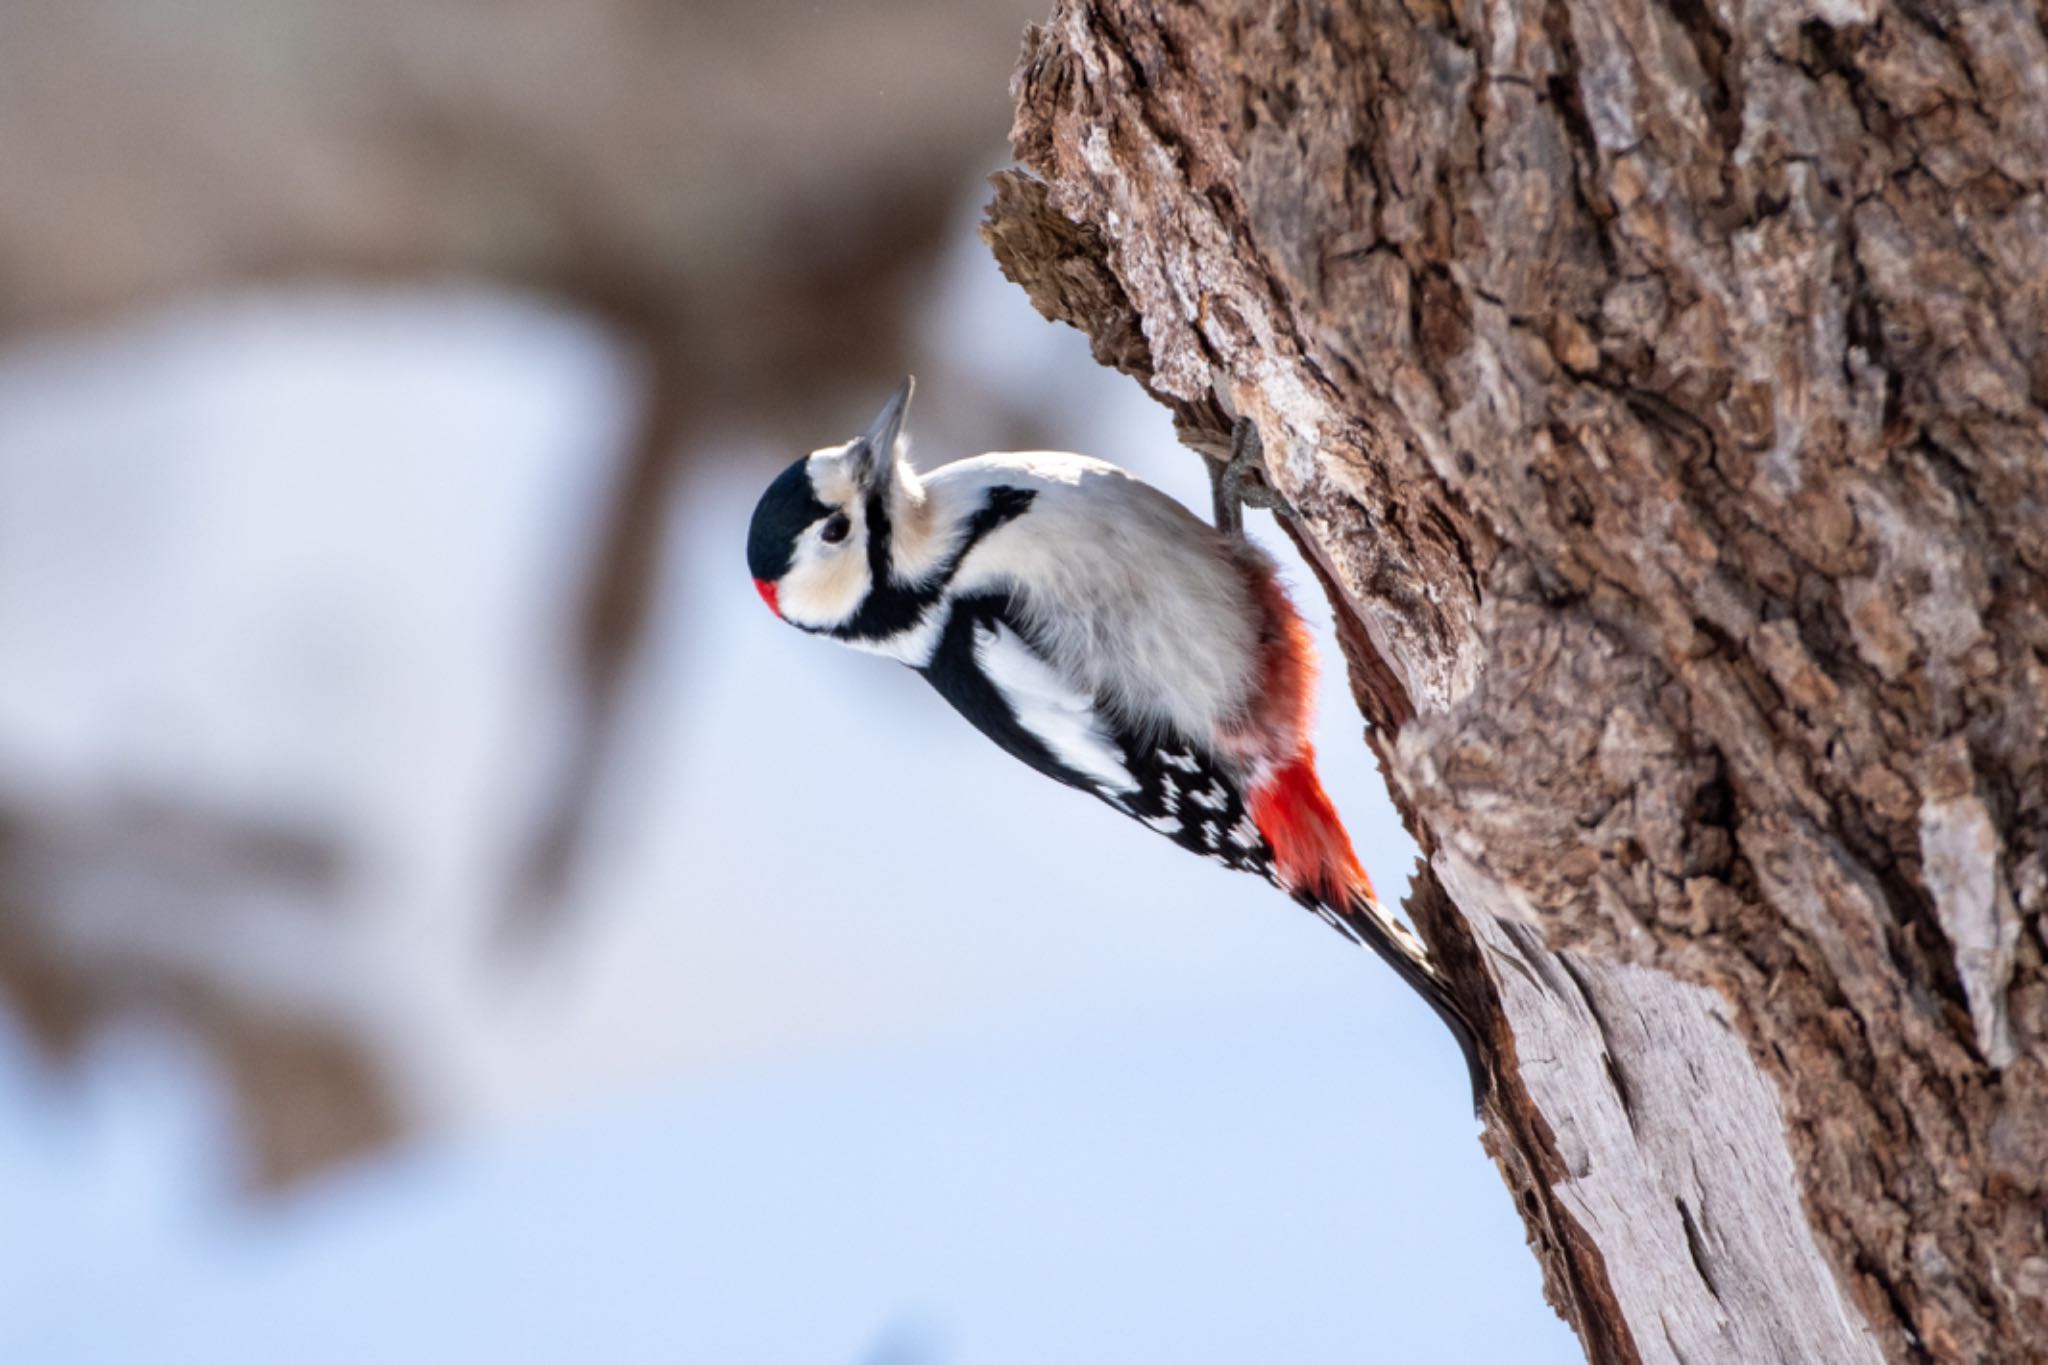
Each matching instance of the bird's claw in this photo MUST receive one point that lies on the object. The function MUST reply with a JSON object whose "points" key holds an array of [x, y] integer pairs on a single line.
{"points": [[1240, 482]]}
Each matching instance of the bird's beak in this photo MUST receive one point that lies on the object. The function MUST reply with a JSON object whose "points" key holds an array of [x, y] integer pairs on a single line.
{"points": [[882, 433]]}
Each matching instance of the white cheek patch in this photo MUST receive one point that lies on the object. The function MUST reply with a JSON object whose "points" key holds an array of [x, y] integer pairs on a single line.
{"points": [[1058, 714], [822, 588], [826, 584]]}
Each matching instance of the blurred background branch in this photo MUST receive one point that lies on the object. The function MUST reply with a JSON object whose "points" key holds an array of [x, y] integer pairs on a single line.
{"points": [[740, 193]]}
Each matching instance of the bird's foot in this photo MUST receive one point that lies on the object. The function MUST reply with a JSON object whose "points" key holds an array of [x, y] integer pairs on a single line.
{"points": [[1241, 482]]}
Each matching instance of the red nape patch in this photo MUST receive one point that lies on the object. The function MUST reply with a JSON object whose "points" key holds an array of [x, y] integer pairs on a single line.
{"points": [[767, 591], [1310, 848]]}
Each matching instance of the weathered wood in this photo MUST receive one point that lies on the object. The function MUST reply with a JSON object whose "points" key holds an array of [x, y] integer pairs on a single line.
{"points": [[1663, 391]]}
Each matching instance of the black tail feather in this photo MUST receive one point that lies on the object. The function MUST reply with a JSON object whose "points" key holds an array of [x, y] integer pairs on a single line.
{"points": [[1364, 921]]}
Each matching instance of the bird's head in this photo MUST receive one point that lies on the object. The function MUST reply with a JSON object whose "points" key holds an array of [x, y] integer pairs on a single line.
{"points": [[821, 533]]}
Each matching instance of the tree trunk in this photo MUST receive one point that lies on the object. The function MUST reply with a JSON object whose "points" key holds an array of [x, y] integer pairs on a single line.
{"points": [[1663, 391]]}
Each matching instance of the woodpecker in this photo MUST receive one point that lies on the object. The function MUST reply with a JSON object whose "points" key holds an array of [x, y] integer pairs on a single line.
{"points": [[1099, 631]]}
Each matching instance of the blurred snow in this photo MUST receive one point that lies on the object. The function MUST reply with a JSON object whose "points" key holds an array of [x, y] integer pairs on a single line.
{"points": [[868, 1042], [301, 562]]}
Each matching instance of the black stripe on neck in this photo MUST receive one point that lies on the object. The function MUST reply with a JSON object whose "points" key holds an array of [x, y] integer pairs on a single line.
{"points": [[891, 607]]}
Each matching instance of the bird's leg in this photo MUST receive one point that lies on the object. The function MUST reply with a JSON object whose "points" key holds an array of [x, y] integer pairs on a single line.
{"points": [[1241, 482]]}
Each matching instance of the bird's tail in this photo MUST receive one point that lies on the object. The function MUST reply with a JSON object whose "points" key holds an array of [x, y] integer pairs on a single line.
{"points": [[1314, 858], [1364, 920]]}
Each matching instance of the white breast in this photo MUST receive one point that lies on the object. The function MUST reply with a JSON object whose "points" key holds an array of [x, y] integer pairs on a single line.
{"points": [[1131, 596]]}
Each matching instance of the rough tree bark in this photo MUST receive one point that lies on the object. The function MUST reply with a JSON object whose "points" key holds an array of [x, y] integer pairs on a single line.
{"points": [[1663, 392]]}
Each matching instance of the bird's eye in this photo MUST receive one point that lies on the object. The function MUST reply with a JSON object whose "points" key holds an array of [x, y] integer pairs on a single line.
{"points": [[836, 527]]}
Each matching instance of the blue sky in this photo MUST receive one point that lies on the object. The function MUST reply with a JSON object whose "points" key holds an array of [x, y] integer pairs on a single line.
{"points": [[1261, 1184]]}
